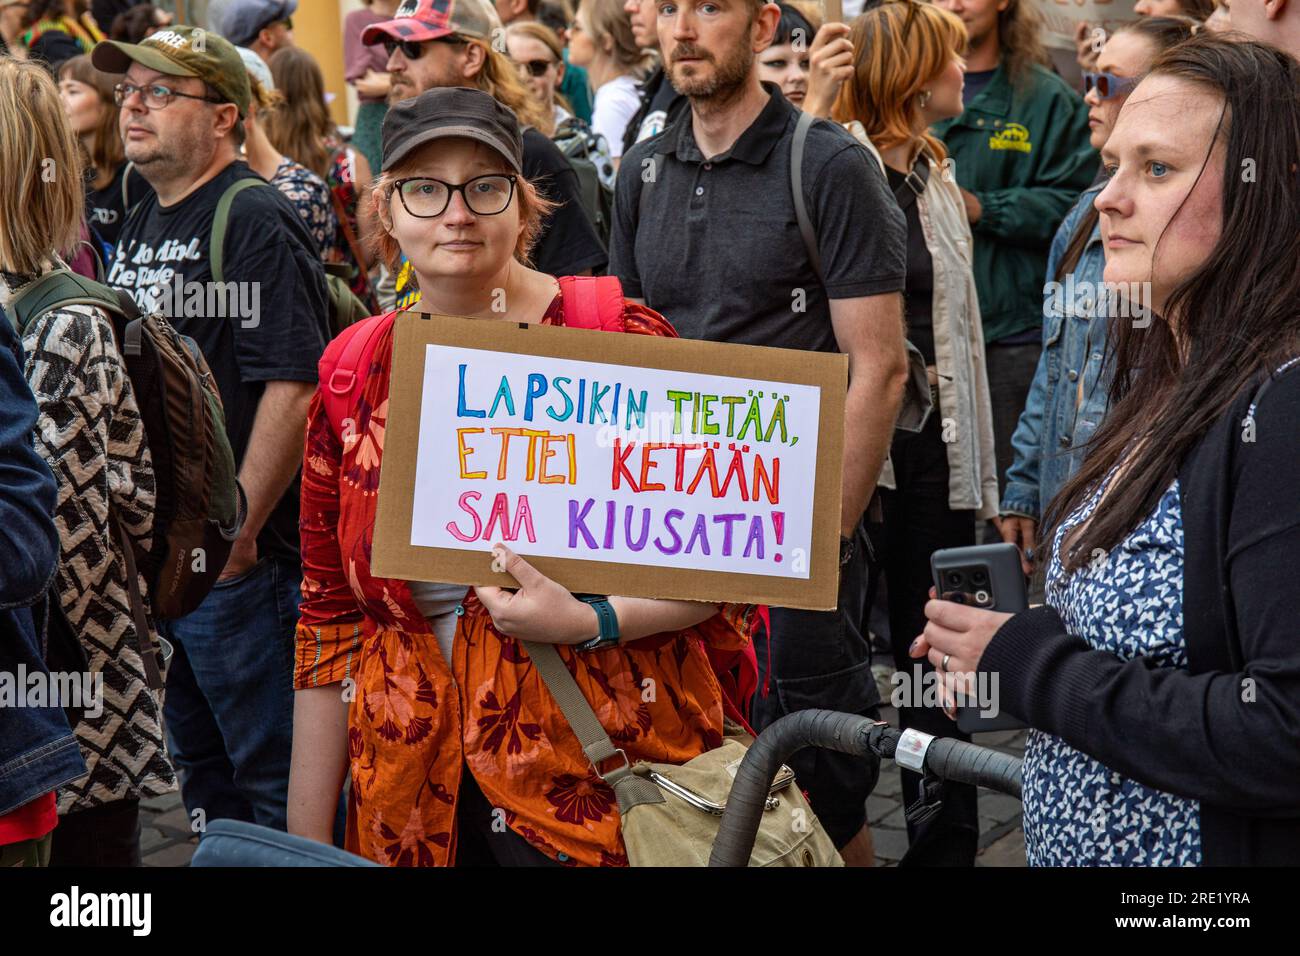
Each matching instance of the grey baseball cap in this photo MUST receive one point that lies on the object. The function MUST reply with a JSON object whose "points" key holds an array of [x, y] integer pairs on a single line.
{"points": [[447, 111]]}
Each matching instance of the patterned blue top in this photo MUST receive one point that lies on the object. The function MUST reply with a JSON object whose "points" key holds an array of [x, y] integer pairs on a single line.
{"points": [[1078, 812]]}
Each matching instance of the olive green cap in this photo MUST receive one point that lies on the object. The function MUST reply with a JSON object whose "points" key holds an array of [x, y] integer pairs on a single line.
{"points": [[182, 51]]}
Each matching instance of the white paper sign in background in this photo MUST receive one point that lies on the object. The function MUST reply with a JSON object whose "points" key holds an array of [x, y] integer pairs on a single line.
{"points": [[1062, 17], [615, 463]]}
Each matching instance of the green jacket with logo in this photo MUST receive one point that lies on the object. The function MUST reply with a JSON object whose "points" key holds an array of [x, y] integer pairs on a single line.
{"points": [[1024, 152]]}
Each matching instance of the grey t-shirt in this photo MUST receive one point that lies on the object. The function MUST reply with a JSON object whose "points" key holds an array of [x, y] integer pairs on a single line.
{"points": [[438, 604], [719, 253]]}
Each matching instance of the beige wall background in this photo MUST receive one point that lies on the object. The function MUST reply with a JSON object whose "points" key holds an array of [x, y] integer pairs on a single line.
{"points": [[318, 29]]}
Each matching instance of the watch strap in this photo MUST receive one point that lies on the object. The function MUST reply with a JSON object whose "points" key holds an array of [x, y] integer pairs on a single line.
{"points": [[607, 619]]}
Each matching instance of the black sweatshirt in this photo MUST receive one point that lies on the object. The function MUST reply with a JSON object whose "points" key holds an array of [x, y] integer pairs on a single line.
{"points": [[1225, 731]]}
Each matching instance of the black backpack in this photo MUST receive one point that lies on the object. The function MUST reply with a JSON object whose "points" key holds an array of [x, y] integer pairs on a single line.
{"points": [[580, 145]]}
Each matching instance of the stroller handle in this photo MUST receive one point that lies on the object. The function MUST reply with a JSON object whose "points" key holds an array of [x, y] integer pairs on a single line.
{"points": [[942, 757]]}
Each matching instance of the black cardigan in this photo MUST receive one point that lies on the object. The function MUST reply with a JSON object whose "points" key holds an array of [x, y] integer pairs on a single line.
{"points": [[1225, 731]]}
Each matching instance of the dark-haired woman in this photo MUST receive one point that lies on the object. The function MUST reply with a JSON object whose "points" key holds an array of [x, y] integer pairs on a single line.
{"points": [[112, 186], [301, 128], [785, 62], [1068, 397], [137, 22], [1162, 676]]}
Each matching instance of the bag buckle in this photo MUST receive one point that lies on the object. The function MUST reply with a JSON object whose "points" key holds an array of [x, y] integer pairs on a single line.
{"points": [[915, 181], [928, 803], [704, 804], [335, 376], [620, 752]]}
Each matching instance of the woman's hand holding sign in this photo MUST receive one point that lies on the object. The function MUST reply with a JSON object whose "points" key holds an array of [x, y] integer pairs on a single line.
{"points": [[543, 611]]}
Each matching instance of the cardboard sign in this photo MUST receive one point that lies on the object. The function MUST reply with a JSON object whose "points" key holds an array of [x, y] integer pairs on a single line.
{"points": [[1061, 17], [832, 11], [616, 464]]}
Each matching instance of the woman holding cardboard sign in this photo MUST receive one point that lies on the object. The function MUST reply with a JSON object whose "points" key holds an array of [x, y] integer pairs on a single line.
{"points": [[457, 751]]}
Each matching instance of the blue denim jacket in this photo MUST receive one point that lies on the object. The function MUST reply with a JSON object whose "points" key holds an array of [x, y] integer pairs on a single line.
{"points": [[38, 752], [1054, 427]]}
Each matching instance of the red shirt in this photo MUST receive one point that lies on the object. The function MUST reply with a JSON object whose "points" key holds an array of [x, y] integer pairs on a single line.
{"points": [[31, 821]]}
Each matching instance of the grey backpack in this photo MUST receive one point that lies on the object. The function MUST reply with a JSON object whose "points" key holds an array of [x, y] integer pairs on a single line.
{"points": [[580, 145]]}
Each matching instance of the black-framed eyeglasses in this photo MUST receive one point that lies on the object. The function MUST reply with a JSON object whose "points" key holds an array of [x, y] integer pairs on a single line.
{"points": [[414, 49], [155, 95], [535, 68], [427, 198], [1108, 84]]}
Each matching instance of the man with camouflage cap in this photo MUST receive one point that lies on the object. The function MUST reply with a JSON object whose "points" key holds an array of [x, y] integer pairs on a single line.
{"points": [[229, 703]]}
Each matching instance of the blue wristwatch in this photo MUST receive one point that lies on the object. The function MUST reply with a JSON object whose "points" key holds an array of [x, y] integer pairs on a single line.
{"points": [[607, 618]]}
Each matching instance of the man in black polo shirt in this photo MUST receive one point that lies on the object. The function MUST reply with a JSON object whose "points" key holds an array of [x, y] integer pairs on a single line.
{"points": [[716, 248]]}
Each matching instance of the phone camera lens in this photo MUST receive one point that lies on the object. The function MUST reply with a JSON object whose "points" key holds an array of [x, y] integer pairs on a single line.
{"points": [[979, 578], [954, 579]]}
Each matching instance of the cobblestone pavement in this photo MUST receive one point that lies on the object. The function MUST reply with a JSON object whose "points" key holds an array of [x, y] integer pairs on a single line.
{"points": [[167, 840]]}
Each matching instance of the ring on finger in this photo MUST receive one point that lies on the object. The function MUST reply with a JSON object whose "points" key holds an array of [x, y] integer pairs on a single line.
{"points": [[943, 664]]}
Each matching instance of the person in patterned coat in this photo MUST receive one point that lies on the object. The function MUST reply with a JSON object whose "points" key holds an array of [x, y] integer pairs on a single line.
{"points": [[90, 433]]}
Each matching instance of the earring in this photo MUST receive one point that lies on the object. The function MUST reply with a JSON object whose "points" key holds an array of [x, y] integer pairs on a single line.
{"points": [[924, 99]]}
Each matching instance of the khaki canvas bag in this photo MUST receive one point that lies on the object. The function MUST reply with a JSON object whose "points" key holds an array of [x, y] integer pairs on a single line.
{"points": [[670, 814]]}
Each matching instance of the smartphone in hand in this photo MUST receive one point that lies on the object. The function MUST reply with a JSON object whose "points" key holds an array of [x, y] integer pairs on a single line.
{"points": [[988, 576]]}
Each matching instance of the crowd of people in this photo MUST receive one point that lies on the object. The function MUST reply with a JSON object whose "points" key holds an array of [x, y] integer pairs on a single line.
{"points": [[1053, 296]]}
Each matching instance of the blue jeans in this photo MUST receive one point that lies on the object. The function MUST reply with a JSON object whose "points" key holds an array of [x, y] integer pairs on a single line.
{"points": [[229, 703]]}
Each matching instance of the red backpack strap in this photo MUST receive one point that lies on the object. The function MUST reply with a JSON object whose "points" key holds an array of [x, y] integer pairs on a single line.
{"points": [[342, 368], [592, 302]]}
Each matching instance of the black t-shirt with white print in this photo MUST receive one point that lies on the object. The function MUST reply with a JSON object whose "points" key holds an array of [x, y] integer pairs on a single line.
{"points": [[105, 210], [268, 323]]}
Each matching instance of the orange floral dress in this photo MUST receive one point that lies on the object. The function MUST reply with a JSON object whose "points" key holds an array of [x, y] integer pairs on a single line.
{"points": [[415, 722]]}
